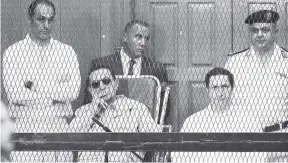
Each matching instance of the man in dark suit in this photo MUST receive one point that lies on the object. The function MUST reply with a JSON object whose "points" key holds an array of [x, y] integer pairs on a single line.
{"points": [[130, 59]]}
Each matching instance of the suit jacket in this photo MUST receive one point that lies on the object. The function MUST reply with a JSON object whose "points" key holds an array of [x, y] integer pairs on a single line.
{"points": [[148, 67]]}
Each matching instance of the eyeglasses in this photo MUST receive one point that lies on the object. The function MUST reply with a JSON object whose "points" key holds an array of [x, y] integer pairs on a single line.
{"points": [[96, 84]]}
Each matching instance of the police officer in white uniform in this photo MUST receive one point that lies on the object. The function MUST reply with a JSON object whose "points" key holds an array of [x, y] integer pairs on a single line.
{"points": [[261, 76]]}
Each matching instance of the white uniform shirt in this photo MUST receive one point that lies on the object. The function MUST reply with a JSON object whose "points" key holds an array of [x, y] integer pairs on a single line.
{"points": [[124, 115], [260, 89], [208, 120], [125, 59], [54, 71]]}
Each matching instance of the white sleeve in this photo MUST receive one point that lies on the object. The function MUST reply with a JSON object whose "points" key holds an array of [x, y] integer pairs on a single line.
{"points": [[69, 90], [14, 79], [82, 120]]}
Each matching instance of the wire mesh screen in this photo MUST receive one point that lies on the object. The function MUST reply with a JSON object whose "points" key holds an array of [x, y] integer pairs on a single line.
{"points": [[81, 156], [229, 157], [135, 156], [224, 60], [41, 156]]}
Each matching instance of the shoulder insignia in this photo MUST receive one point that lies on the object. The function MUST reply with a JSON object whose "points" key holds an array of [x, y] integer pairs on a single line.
{"points": [[241, 51], [120, 96], [284, 52]]}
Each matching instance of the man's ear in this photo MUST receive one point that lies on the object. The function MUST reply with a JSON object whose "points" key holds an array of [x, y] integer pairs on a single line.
{"points": [[89, 90], [29, 19], [207, 89], [276, 30], [124, 37]]}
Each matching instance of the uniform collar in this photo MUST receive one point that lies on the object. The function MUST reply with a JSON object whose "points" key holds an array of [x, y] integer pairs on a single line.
{"points": [[276, 51]]}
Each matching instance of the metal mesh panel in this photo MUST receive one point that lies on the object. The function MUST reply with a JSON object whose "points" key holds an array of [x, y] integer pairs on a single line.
{"points": [[219, 157], [41, 156], [55, 84], [99, 156]]}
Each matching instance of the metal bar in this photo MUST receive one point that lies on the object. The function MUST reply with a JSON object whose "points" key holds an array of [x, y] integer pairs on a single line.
{"points": [[237, 142], [151, 137]]}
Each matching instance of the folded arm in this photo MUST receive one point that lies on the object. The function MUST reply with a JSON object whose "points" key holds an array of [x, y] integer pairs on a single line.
{"points": [[67, 89], [14, 83]]}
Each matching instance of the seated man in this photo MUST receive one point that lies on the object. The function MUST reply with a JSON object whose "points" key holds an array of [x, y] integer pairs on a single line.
{"points": [[219, 83], [116, 112], [218, 116]]}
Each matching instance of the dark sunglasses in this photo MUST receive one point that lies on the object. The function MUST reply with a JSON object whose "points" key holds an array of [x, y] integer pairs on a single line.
{"points": [[96, 84]]}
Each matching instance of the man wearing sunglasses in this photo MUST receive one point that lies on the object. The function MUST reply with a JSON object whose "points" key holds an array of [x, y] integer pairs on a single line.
{"points": [[131, 58], [108, 112]]}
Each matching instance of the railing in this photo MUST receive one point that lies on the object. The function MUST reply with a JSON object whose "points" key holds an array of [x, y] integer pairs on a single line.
{"points": [[233, 142]]}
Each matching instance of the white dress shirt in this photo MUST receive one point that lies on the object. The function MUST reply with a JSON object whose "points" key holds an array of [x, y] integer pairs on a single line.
{"points": [[125, 59], [54, 71], [124, 115], [226, 121]]}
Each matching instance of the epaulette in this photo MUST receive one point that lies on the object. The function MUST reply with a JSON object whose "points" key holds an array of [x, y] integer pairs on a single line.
{"points": [[284, 52], [241, 51], [120, 96]]}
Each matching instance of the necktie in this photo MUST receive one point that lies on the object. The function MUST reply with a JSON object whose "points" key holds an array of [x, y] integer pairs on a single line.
{"points": [[131, 64]]}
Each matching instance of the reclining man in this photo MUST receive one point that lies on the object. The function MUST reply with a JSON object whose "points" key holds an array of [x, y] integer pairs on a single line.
{"points": [[116, 112], [132, 58]]}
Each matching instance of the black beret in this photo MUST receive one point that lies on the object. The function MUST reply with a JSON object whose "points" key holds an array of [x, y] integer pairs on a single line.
{"points": [[262, 16]]}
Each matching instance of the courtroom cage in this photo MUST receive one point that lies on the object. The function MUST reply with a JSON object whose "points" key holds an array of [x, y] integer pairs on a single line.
{"points": [[146, 80]]}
